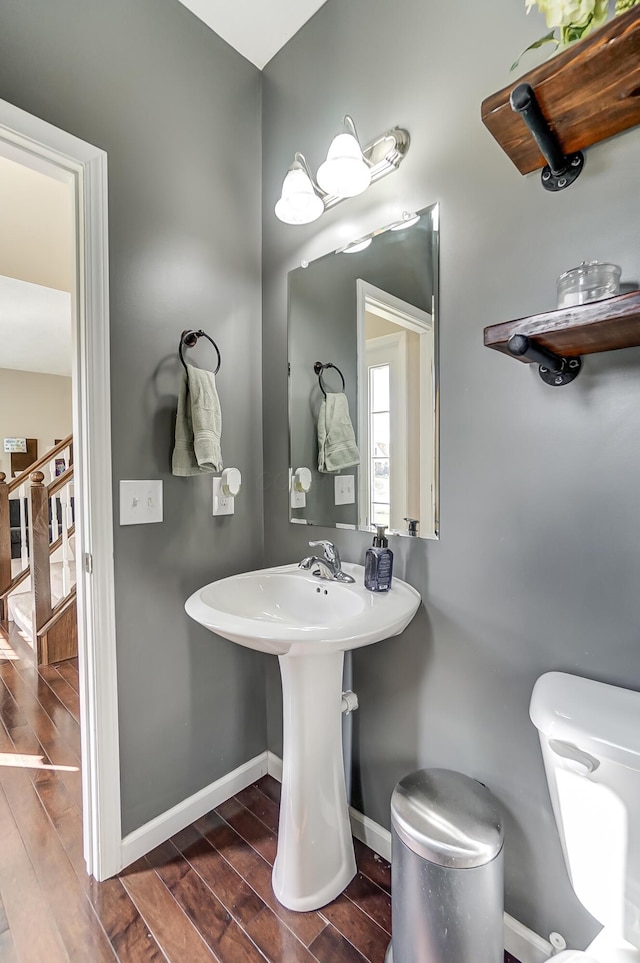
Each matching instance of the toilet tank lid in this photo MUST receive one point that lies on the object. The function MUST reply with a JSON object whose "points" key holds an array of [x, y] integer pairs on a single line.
{"points": [[574, 709]]}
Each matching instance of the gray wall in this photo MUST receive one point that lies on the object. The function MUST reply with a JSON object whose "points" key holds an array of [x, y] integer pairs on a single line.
{"points": [[178, 113], [538, 564]]}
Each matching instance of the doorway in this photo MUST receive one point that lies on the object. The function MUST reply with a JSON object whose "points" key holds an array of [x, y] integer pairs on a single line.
{"points": [[37, 529], [41, 147]]}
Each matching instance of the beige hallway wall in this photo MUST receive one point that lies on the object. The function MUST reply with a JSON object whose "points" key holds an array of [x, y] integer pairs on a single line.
{"points": [[37, 230], [33, 405]]}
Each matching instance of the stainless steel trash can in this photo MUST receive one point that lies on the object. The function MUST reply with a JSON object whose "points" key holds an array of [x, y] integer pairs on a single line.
{"points": [[447, 890]]}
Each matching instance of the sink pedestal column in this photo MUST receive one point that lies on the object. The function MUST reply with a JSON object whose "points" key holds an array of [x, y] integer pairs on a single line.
{"points": [[315, 859]]}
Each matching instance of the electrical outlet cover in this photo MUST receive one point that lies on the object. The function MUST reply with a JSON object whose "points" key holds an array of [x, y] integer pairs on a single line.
{"points": [[222, 504], [298, 499]]}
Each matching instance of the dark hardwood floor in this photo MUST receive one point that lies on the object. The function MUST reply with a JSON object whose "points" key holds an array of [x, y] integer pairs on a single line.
{"points": [[204, 895]]}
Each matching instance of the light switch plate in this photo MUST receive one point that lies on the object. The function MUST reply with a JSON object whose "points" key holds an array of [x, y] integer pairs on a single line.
{"points": [[222, 504], [344, 489], [140, 502]]}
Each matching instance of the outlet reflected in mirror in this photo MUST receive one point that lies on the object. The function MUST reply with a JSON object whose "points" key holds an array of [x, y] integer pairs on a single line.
{"points": [[366, 424]]}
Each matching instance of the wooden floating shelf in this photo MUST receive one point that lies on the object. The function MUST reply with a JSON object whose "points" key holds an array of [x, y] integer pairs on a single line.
{"points": [[583, 329], [588, 92]]}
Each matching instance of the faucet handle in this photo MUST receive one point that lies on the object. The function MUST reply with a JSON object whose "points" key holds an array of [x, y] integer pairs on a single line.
{"points": [[331, 553]]}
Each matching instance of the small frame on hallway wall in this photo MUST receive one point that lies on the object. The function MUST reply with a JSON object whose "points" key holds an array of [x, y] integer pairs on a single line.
{"points": [[18, 445]]}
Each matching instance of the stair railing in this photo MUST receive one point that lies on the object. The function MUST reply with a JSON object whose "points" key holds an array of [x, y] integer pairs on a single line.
{"points": [[58, 465], [54, 627]]}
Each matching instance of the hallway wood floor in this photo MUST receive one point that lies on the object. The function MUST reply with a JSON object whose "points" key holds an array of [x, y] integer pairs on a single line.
{"points": [[204, 895]]}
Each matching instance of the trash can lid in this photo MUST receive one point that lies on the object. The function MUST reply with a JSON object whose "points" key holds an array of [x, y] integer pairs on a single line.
{"points": [[447, 818]]}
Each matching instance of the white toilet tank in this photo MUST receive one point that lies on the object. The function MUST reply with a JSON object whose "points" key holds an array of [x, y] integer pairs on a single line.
{"points": [[590, 737]]}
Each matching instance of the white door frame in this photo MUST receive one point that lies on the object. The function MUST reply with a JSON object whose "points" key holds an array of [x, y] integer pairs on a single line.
{"points": [[33, 142]]}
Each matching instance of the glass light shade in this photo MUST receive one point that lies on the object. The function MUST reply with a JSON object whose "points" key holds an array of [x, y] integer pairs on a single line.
{"points": [[344, 173], [408, 220], [356, 246], [299, 203]]}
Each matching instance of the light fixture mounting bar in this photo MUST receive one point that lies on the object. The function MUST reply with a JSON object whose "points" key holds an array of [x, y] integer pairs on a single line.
{"points": [[383, 155]]}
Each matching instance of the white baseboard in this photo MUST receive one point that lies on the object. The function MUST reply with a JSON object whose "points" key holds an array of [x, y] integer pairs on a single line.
{"points": [[521, 942], [141, 841], [371, 834], [274, 765]]}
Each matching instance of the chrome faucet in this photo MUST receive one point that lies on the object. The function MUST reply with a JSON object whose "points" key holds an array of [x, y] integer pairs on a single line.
{"points": [[329, 566]]}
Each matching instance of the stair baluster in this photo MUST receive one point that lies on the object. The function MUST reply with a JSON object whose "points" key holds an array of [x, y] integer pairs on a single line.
{"points": [[44, 514], [5, 542], [39, 544], [23, 494]]}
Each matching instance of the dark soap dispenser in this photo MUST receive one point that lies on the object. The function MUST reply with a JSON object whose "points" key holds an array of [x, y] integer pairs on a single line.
{"points": [[378, 565]]}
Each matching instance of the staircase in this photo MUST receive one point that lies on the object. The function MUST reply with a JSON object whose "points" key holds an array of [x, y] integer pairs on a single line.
{"points": [[37, 567]]}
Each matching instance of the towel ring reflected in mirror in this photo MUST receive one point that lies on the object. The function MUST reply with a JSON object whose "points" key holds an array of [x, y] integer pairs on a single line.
{"points": [[319, 367], [189, 339]]}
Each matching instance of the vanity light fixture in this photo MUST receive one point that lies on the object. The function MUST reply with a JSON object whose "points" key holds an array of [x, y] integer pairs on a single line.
{"points": [[347, 171]]}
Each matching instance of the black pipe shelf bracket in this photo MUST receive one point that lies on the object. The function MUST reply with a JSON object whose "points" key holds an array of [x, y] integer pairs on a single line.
{"points": [[561, 169], [553, 368]]}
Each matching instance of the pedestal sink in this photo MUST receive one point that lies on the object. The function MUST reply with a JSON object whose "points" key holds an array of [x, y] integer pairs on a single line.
{"points": [[308, 623]]}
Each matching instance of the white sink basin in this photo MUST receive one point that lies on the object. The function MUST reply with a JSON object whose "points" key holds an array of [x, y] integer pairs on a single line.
{"points": [[287, 609], [308, 623]]}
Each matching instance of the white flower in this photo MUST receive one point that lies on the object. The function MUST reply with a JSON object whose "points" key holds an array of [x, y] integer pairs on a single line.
{"points": [[570, 20], [565, 13], [562, 13]]}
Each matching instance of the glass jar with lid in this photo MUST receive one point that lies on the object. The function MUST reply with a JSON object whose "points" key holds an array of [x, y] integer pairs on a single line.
{"points": [[590, 281]]}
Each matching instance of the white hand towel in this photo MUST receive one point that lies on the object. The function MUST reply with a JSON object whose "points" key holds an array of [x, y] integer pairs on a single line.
{"points": [[198, 425]]}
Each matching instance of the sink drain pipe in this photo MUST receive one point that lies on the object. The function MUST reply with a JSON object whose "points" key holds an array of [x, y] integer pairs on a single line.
{"points": [[349, 703]]}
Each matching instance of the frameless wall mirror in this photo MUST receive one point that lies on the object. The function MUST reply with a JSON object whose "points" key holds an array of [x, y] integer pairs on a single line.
{"points": [[363, 387]]}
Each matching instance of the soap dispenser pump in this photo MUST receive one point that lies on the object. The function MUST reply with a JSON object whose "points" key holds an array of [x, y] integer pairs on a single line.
{"points": [[378, 566]]}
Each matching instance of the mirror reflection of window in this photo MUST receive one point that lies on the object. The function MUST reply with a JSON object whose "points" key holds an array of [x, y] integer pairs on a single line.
{"points": [[379, 443]]}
